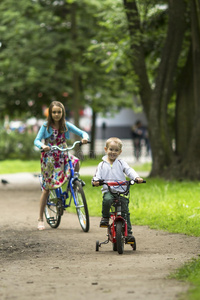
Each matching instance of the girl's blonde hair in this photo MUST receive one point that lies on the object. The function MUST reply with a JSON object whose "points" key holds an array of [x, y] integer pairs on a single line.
{"points": [[50, 122], [115, 140]]}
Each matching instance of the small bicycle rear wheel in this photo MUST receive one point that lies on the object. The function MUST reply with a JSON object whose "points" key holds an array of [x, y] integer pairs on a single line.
{"points": [[52, 210], [81, 208], [119, 237]]}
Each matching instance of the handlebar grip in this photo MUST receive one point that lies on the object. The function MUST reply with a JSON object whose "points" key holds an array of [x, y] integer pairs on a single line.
{"points": [[101, 182], [136, 181], [88, 142]]}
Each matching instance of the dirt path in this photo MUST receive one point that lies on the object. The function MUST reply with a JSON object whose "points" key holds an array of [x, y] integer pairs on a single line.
{"points": [[63, 264]]}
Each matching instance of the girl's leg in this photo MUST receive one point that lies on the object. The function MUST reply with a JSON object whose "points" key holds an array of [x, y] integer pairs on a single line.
{"points": [[77, 167], [43, 200]]}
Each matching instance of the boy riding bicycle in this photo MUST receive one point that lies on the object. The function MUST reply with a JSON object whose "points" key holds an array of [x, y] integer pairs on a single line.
{"points": [[111, 168]]}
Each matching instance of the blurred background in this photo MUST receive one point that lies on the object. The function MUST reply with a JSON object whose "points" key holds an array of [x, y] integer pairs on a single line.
{"points": [[121, 68]]}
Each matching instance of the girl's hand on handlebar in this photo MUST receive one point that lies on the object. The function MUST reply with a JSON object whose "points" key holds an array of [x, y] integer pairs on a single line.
{"points": [[84, 141], [46, 148]]}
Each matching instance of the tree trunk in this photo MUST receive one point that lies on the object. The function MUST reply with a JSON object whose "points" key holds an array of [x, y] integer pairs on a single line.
{"points": [[191, 163], [155, 102], [76, 75], [161, 141], [93, 133], [187, 164]]}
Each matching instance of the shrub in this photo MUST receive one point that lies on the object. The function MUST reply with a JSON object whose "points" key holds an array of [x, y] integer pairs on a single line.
{"points": [[15, 145]]}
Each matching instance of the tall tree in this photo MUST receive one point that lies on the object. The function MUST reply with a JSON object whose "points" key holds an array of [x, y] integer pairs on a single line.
{"points": [[171, 82]]}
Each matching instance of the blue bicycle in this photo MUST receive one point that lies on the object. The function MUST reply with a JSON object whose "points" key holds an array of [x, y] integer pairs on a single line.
{"points": [[59, 200]]}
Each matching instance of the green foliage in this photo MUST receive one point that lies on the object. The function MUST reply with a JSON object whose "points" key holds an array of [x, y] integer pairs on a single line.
{"points": [[16, 145], [41, 46]]}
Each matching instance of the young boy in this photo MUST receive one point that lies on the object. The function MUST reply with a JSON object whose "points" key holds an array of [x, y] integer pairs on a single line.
{"points": [[112, 168]]}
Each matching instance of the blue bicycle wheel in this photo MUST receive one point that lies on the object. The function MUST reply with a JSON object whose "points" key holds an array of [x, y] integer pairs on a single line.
{"points": [[81, 208], [53, 210]]}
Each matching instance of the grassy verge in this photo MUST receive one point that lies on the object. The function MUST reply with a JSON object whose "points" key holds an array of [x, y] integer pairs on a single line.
{"points": [[190, 272], [15, 166]]}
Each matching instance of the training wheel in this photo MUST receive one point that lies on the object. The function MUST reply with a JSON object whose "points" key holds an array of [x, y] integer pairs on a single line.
{"points": [[134, 246], [97, 245]]}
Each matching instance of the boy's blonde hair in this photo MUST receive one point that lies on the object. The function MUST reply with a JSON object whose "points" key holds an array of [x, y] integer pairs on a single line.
{"points": [[115, 140]]}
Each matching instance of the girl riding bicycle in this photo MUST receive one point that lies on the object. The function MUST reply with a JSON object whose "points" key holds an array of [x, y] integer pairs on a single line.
{"points": [[54, 166], [112, 168]]}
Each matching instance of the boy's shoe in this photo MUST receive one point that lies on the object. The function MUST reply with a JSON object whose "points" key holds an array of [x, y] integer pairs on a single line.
{"points": [[104, 222], [130, 239]]}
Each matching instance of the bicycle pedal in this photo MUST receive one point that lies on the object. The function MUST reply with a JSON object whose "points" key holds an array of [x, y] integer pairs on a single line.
{"points": [[130, 243], [103, 226]]}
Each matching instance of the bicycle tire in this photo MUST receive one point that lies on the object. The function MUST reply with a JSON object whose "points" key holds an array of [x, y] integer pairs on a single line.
{"points": [[53, 210], [119, 237], [81, 208]]}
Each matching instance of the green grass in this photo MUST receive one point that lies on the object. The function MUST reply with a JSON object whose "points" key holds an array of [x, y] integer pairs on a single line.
{"points": [[190, 272], [166, 205], [18, 166]]}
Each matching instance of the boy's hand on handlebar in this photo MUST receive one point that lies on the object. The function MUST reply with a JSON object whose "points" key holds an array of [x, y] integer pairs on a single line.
{"points": [[139, 180], [95, 183]]}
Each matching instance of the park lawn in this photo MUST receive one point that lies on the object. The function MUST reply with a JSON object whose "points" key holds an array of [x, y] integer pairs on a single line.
{"points": [[33, 166], [18, 166]]}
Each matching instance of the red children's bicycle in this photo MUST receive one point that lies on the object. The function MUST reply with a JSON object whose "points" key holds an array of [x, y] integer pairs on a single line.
{"points": [[117, 229]]}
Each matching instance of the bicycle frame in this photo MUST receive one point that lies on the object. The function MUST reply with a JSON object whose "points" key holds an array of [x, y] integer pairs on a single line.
{"points": [[56, 202], [116, 217], [117, 231], [64, 195]]}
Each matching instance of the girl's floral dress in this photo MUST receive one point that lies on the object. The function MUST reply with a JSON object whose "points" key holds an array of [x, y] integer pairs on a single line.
{"points": [[54, 164]]}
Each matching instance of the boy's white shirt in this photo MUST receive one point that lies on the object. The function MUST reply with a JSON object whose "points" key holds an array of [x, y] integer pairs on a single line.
{"points": [[116, 171]]}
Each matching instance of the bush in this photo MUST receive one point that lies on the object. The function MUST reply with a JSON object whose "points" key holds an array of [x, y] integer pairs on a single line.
{"points": [[15, 145]]}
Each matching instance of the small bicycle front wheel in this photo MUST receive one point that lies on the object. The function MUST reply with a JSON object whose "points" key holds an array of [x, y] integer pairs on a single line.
{"points": [[119, 237], [52, 210], [81, 207]]}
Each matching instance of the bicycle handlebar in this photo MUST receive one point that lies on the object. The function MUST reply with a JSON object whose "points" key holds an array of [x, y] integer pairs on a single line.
{"points": [[68, 148], [114, 183], [127, 183]]}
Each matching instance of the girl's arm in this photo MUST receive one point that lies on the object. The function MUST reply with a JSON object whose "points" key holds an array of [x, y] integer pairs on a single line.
{"points": [[38, 140], [72, 128]]}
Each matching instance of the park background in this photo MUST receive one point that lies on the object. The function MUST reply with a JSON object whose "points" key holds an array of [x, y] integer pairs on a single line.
{"points": [[107, 55]]}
